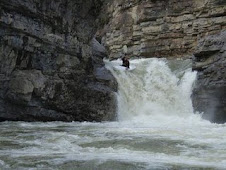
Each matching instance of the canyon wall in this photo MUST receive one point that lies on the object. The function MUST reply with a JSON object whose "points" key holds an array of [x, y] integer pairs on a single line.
{"points": [[159, 28], [182, 29], [209, 96], [48, 68], [51, 68]]}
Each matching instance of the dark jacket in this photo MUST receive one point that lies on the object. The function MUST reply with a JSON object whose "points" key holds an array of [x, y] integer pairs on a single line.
{"points": [[125, 62]]}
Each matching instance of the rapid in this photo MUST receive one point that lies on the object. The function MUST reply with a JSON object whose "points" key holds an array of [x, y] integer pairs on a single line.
{"points": [[156, 128]]}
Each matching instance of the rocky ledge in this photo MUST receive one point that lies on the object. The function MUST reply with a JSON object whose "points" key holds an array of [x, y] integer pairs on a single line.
{"points": [[48, 68]]}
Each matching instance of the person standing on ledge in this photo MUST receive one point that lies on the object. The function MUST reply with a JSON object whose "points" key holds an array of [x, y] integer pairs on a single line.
{"points": [[125, 62]]}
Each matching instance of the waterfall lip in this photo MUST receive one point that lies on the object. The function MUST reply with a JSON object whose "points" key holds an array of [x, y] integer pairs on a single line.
{"points": [[119, 67], [155, 87], [156, 127]]}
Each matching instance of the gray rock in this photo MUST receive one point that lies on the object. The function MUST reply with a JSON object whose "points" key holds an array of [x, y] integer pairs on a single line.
{"points": [[23, 83], [159, 28], [210, 90], [99, 52], [48, 69]]}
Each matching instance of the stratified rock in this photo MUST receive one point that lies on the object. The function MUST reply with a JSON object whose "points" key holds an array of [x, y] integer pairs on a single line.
{"points": [[157, 28], [173, 29], [47, 68], [209, 94]]}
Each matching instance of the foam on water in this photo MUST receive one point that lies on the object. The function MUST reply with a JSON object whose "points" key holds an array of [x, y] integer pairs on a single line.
{"points": [[156, 129], [152, 90]]}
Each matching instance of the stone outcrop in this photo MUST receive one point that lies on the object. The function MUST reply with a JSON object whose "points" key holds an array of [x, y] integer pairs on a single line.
{"points": [[174, 29], [157, 28], [210, 91], [48, 68]]}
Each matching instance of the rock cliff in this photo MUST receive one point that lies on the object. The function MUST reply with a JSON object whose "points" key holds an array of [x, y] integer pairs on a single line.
{"points": [[209, 94], [48, 68], [158, 28], [51, 68], [174, 29]]}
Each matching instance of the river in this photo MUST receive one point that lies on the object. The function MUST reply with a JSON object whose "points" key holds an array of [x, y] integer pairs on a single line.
{"points": [[156, 128]]}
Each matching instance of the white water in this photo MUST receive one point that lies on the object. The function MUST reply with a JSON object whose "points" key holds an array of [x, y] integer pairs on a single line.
{"points": [[152, 90], [156, 129]]}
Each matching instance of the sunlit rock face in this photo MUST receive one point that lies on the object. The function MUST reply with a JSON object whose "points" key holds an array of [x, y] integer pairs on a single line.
{"points": [[158, 28], [48, 68]]}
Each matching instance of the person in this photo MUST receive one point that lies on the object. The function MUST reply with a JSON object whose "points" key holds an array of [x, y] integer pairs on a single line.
{"points": [[125, 62]]}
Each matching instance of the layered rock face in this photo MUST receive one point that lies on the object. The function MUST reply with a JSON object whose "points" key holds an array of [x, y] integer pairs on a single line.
{"points": [[48, 68], [52, 69], [174, 29], [210, 91], [157, 28]]}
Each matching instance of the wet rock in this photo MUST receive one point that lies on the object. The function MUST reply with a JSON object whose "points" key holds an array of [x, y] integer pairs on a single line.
{"points": [[105, 82], [210, 90], [99, 52]]}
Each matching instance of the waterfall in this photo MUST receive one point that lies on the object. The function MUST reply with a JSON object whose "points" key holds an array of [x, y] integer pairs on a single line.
{"points": [[156, 88], [156, 128]]}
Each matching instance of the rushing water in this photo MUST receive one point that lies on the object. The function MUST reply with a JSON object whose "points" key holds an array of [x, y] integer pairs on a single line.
{"points": [[156, 129]]}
